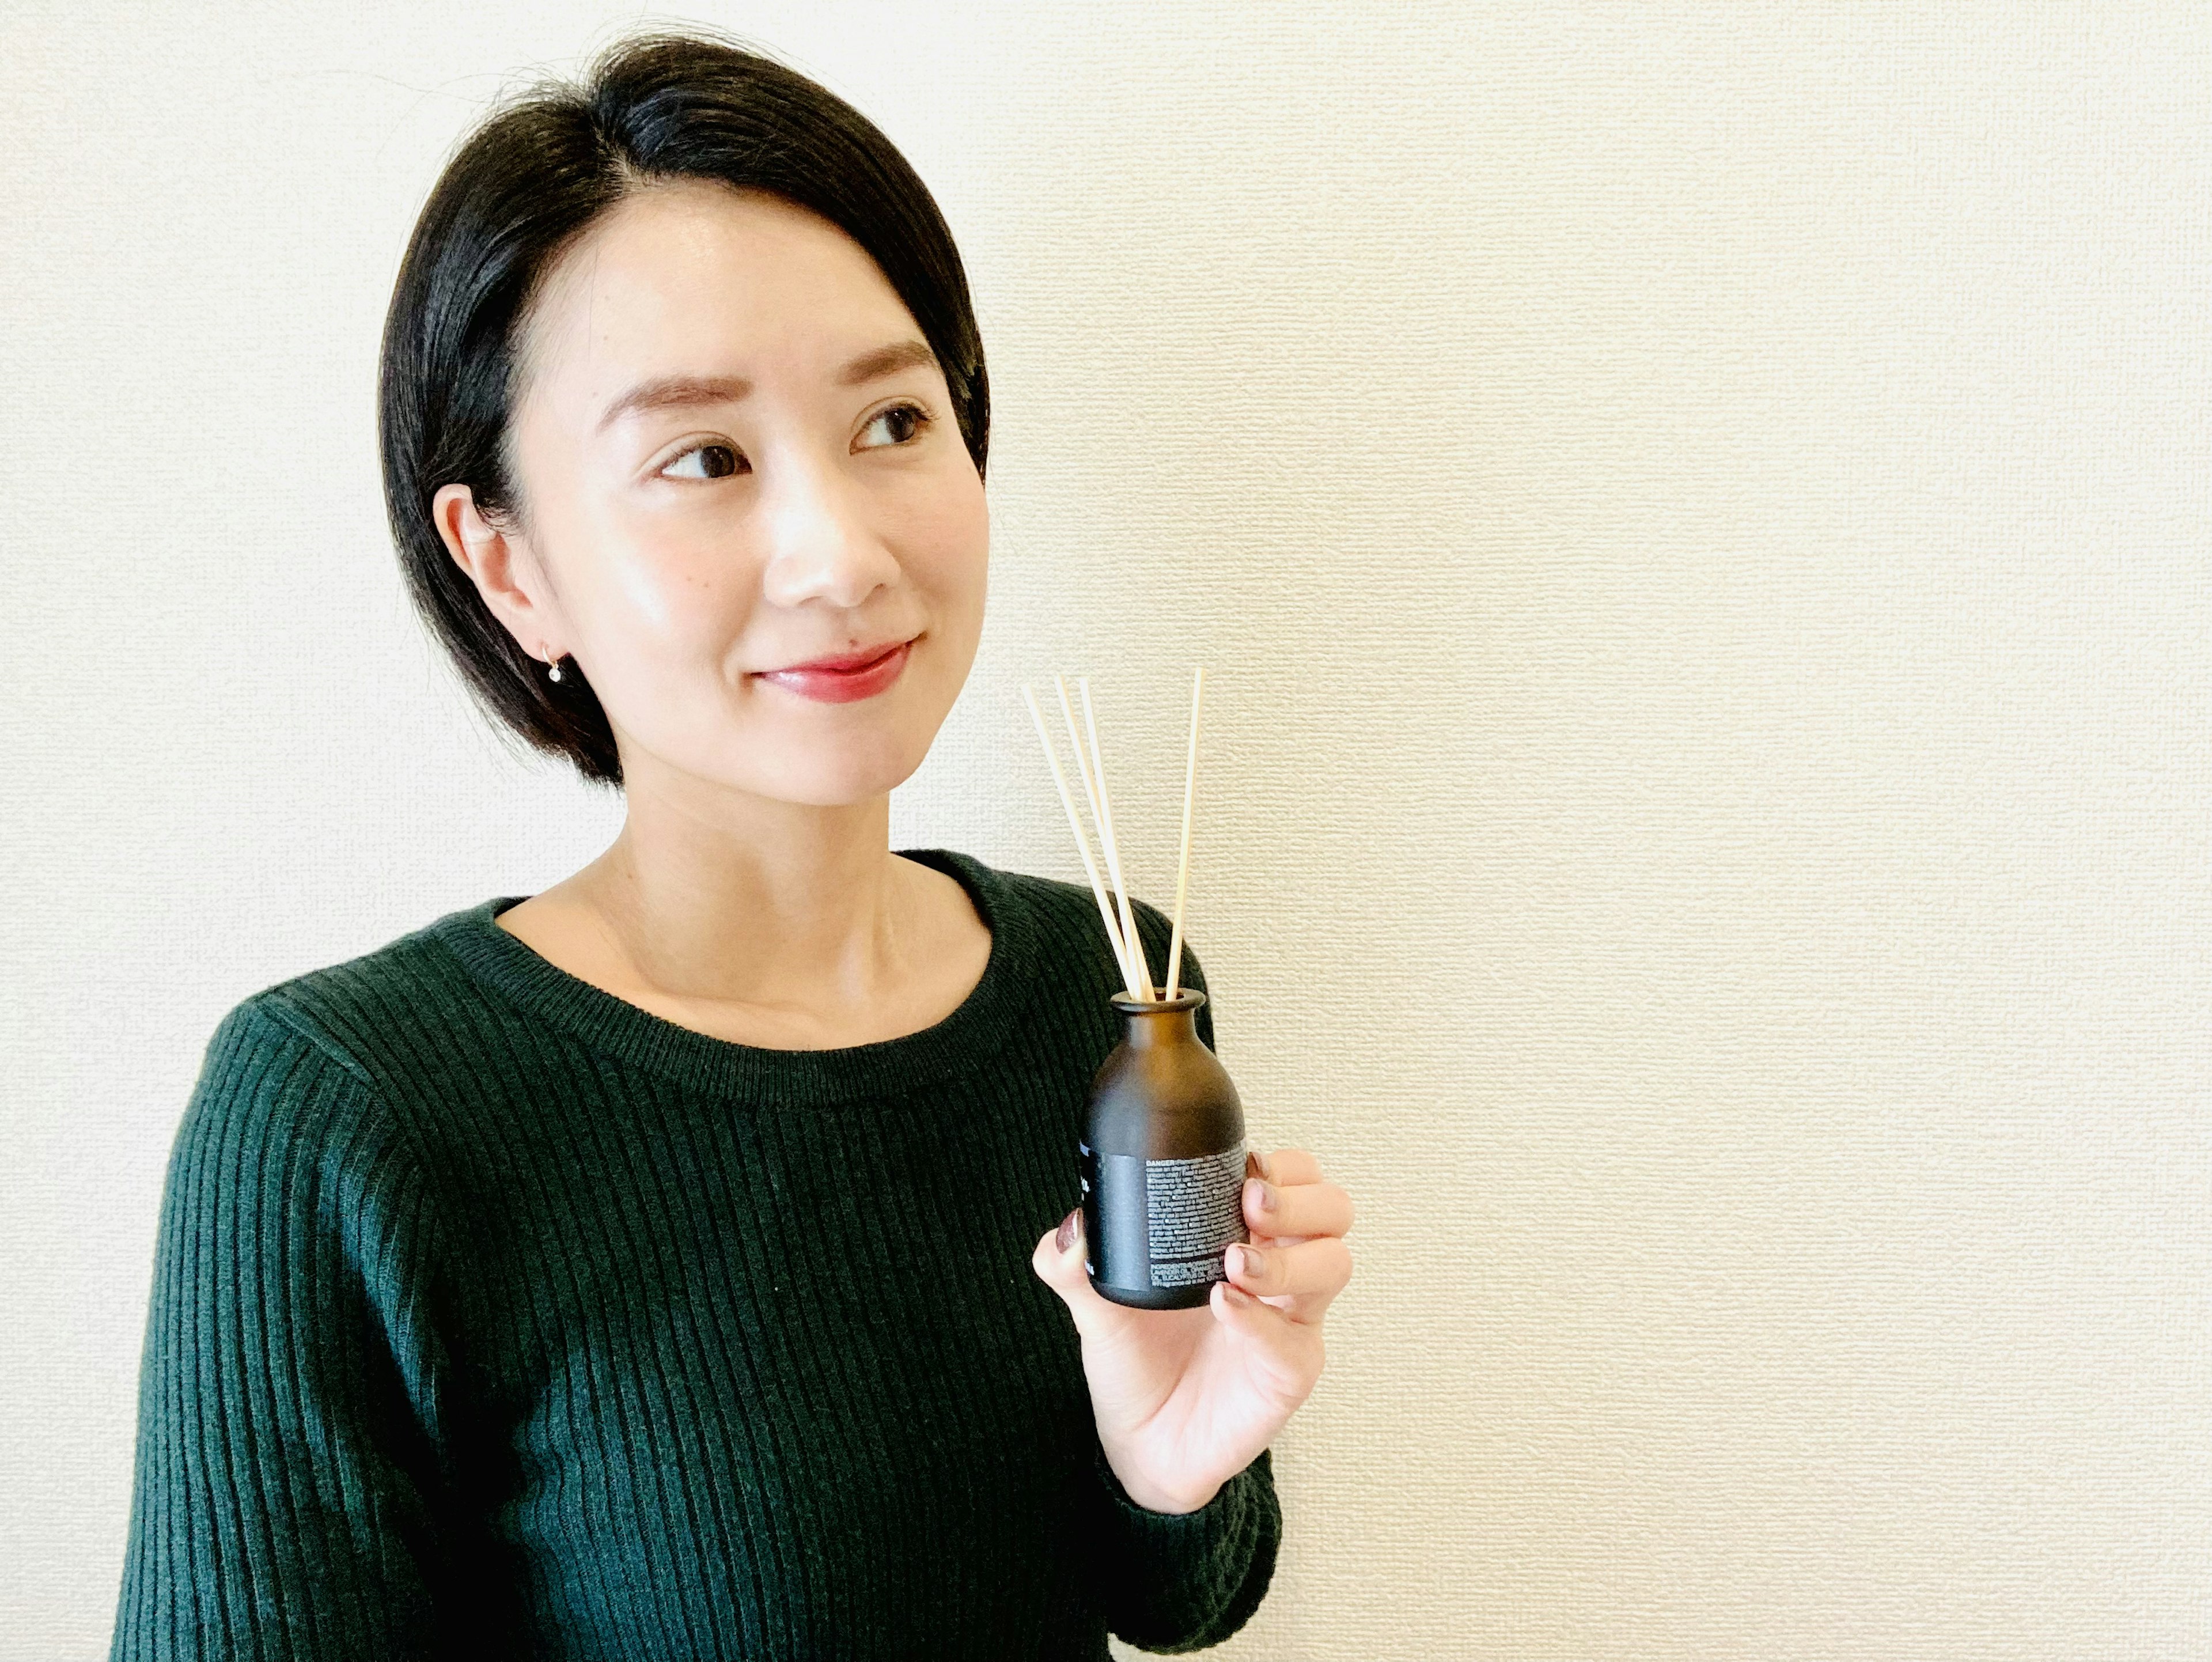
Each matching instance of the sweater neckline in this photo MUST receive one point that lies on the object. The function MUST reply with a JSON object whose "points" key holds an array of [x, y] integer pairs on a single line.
{"points": [[965, 1040]]}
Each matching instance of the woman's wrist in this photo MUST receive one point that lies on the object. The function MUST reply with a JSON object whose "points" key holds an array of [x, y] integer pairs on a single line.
{"points": [[1146, 1498]]}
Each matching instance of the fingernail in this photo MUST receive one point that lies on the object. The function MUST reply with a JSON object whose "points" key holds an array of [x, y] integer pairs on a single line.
{"points": [[1261, 1193], [1236, 1295], [1070, 1228], [1250, 1264], [1255, 1165]]}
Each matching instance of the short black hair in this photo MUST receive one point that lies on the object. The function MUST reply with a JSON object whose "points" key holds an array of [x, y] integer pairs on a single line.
{"points": [[650, 107]]}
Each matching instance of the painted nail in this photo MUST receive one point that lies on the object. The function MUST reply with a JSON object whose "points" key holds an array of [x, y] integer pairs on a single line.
{"points": [[1249, 1263], [1255, 1165], [1071, 1229], [1259, 1193]]}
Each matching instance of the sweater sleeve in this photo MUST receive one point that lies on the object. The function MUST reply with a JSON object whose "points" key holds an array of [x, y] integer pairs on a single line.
{"points": [[1181, 1581], [285, 1499]]}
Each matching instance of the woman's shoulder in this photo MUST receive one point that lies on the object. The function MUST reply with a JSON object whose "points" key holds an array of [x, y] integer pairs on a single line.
{"points": [[387, 1024]]}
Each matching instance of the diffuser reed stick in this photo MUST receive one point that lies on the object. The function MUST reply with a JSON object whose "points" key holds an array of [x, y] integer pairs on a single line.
{"points": [[1122, 932], [1083, 846], [1112, 852], [1086, 769], [1183, 861]]}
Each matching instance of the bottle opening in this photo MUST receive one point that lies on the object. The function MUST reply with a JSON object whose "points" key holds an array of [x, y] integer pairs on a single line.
{"points": [[1184, 1000]]}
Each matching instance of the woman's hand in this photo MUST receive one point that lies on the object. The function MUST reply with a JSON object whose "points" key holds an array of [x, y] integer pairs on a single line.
{"points": [[1185, 1399]]}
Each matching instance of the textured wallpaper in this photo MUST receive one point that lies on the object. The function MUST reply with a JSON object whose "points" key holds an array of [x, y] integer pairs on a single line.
{"points": [[1697, 519]]}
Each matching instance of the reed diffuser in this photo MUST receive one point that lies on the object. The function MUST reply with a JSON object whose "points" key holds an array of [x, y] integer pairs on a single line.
{"points": [[1162, 1153]]}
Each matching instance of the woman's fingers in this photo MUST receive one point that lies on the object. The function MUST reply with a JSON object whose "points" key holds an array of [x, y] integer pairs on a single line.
{"points": [[1296, 1208], [1299, 1279], [1057, 1258], [1284, 1166]]}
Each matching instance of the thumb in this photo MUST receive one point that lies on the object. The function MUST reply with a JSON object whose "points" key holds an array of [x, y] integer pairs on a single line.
{"points": [[1058, 1261]]}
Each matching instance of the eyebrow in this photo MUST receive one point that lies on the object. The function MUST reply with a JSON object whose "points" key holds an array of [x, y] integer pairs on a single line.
{"points": [[680, 391]]}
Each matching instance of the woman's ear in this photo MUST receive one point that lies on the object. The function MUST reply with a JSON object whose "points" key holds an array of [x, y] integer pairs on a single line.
{"points": [[500, 561]]}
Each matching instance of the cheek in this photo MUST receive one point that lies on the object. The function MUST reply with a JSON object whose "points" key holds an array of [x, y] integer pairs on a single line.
{"points": [[951, 552], [663, 674], [666, 597], [664, 612]]}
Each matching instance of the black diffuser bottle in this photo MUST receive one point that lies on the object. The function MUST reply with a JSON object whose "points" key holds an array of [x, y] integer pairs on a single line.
{"points": [[1163, 1153]]}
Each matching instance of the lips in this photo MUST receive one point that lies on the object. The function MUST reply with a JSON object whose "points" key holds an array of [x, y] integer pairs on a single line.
{"points": [[844, 678], [851, 661]]}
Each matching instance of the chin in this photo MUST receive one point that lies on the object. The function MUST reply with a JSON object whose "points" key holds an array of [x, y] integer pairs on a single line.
{"points": [[837, 781]]}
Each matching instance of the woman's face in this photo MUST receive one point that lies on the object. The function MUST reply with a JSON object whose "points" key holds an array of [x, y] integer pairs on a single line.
{"points": [[735, 454]]}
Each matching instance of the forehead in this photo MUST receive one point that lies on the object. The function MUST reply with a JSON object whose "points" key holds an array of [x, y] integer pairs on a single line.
{"points": [[693, 274]]}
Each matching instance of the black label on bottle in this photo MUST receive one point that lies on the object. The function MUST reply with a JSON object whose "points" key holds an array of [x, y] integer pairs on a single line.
{"points": [[1161, 1223], [1195, 1212]]}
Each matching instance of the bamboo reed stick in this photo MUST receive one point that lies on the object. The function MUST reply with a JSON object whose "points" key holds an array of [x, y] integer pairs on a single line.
{"points": [[1086, 766], [1112, 853], [1082, 759], [1083, 847], [1183, 861]]}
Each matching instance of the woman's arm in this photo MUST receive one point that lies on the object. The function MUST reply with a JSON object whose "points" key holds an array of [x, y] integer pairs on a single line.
{"points": [[289, 1460], [1181, 1581]]}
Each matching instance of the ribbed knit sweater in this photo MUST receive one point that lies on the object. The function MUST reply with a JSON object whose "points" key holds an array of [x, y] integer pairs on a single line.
{"points": [[495, 1315]]}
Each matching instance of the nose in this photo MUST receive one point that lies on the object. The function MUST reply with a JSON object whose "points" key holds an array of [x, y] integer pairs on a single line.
{"points": [[822, 544]]}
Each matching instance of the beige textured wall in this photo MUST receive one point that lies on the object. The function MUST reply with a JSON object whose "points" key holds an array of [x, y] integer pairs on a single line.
{"points": [[1699, 519]]}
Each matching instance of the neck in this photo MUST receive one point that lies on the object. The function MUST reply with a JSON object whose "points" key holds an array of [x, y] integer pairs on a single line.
{"points": [[749, 900]]}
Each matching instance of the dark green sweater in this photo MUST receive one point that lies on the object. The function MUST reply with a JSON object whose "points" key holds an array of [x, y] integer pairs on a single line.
{"points": [[494, 1315]]}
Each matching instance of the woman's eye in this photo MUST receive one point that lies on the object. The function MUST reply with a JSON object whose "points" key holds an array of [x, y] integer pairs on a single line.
{"points": [[711, 460], [905, 421]]}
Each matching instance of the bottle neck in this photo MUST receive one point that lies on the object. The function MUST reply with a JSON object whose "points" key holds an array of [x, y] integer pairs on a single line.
{"points": [[1149, 1030]]}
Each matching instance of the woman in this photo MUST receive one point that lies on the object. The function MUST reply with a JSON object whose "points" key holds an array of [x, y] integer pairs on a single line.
{"points": [[635, 1270]]}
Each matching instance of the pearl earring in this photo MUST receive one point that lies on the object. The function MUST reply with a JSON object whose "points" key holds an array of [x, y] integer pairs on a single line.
{"points": [[553, 667]]}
